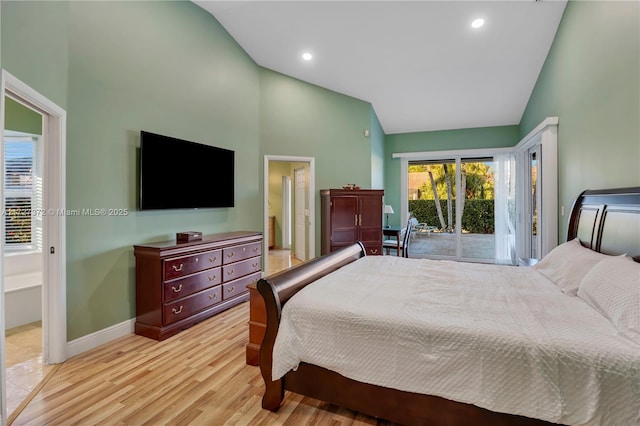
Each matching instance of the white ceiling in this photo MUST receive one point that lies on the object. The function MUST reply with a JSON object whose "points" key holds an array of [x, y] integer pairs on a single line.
{"points": [[419, 63]]}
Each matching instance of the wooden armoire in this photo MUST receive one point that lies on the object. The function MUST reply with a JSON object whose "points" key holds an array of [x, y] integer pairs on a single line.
{"points": [[349, 216]]}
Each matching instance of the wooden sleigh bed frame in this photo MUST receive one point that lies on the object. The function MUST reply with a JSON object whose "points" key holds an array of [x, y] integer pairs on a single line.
{"points": [[607, 221]]}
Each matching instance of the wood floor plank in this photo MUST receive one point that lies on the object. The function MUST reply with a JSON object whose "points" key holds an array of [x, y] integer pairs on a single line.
{"points": [[197, 377]]}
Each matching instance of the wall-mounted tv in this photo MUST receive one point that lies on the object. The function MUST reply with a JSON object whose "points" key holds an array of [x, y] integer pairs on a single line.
{"points": [[178, 174]]}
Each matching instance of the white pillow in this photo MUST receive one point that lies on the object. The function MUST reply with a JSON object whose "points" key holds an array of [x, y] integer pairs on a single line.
{"points": [[567, 264], [612, 287]]}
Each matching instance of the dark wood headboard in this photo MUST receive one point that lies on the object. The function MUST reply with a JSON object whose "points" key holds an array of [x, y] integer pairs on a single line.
{"points": [[608, 221]]}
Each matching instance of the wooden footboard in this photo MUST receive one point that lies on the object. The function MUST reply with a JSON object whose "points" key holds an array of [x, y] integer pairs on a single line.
{"points": [[276, 290]]}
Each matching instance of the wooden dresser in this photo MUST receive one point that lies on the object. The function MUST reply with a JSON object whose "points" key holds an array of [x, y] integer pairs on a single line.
{"points": [[181, 284], [349, 216]]}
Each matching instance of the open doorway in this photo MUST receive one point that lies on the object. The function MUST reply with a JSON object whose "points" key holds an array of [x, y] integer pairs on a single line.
{"points": [[289, 211], [32, 252], [23, 147]]}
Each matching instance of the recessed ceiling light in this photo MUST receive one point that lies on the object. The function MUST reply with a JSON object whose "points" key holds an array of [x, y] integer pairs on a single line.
{"points": [[307, 56], [477, 23]]}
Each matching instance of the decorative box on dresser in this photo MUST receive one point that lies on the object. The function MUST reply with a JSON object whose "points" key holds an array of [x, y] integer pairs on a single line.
{"points": [[181, 284], [349, 216]]}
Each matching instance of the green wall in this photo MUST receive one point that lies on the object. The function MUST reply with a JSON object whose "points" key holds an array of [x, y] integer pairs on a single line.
{"points": [[166, 67], [300, 119], [19, 118], [35, 45], [445, 140], [169, 68], [591, 81]]}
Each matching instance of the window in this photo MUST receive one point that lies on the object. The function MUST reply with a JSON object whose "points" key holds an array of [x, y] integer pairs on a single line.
{"points": [[21, 195]]}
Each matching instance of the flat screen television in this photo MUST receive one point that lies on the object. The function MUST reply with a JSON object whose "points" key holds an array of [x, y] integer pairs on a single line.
{"points": [[178, 174]]}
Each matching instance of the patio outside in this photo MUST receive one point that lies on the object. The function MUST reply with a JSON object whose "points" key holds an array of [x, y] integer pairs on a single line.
{"points": [[433, 201], [476, 246]]}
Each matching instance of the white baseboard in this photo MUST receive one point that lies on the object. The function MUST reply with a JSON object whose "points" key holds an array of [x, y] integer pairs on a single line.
{"points": [[100, 337]]}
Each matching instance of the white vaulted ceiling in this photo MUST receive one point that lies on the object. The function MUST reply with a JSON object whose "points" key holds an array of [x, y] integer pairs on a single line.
{"points": [[420, 63]]}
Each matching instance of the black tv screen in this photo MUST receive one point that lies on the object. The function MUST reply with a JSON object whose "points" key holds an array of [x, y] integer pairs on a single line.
{"points": [[178, 174]]}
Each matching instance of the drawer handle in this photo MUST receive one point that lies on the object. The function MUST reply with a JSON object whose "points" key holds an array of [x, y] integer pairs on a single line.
{"points": [[213, 296], [231, 272], [177, 311], [231, 254], [178, 269], [230, 289], [177, 290], [211, 278], [213, 259], [255, 264], [256, 249], [374, 251]]}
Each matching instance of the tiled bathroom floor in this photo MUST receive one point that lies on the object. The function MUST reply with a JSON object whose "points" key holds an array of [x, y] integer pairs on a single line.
{"points": [[24, 362]]}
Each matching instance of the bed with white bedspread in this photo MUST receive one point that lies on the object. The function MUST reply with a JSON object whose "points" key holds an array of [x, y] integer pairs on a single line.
{"points": [[503, 338], [445, 343]]}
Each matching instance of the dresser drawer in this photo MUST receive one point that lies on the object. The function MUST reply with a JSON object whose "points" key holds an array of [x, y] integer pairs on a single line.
{"points": [[182, 287], [183, 308], [373, 249], [181, 266], [245, 251], [239, 286], [239, 269]]}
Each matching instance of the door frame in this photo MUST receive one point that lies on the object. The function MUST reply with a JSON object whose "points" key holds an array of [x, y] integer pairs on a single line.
{"points": [[312, 202], [54, 291], [295, 213], [546, 135], [458, 156]]}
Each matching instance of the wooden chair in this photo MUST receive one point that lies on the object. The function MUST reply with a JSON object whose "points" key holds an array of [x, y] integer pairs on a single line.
{"points": [[402, 244]]}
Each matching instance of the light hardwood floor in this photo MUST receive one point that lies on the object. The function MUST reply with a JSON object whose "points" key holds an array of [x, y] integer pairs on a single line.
{"points": [[198, 377]]}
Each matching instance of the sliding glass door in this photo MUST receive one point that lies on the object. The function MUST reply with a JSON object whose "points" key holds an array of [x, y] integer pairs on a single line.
{"points": [[453, 200]]}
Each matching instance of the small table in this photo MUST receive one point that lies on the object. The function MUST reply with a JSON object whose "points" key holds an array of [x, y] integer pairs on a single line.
{"points": [[392, 232]]}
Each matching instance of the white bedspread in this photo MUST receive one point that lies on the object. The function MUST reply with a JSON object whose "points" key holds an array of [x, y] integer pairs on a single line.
{"points": [[500, 337]]}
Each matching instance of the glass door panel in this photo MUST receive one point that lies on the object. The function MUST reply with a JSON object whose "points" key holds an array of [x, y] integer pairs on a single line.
{"points": [[431, 195], [477, 205]]}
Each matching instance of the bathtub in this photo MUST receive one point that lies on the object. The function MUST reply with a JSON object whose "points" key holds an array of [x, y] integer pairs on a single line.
{"points": [[22, 289]]}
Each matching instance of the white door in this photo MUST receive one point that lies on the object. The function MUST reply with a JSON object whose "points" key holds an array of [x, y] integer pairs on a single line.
{"points": [[533, 198], [299, 214]]}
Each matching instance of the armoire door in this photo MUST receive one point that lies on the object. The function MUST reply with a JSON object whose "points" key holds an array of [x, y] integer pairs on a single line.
{"points": [[370, 220], [344, 221]]}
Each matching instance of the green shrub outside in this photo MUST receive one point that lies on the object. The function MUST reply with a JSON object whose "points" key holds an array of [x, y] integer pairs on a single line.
{"points": [[478, 216]]}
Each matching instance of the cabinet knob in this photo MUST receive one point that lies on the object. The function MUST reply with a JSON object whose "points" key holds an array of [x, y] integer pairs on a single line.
{"points": [[176, 290], [178, 268], [177, 311]]}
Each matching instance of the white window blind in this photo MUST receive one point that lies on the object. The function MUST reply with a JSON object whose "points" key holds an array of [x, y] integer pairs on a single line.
{"points": [[19, 193]]}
